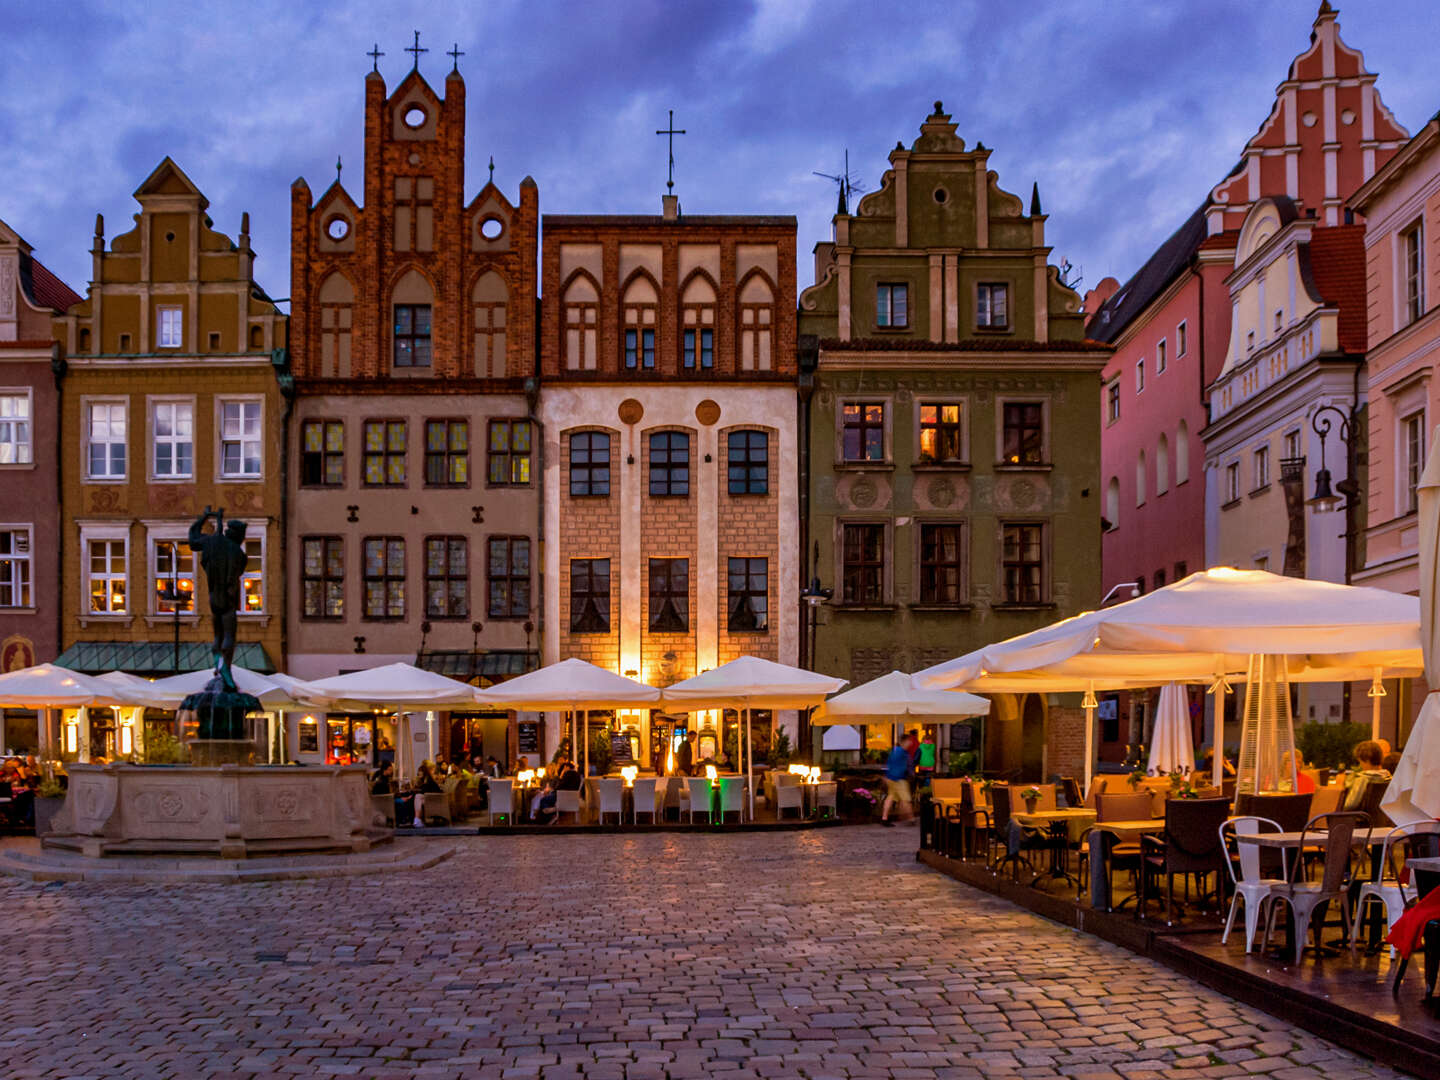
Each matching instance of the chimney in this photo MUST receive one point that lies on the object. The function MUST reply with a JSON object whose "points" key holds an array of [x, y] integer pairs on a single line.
{"points": [[670, 207]]}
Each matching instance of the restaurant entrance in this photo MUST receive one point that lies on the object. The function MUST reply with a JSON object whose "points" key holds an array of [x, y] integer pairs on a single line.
{"points": [[359, 739], [479, 735]]}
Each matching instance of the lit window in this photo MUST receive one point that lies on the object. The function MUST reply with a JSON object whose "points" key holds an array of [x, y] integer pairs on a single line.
{"points": [[508, 452], [15, 432], [171, 327], [863, 431], [108, 577], [447, 453], [105, 440], [385, 442], [252, 582], [940, 433], [1024, 433], [240, 438], [172, 569], [15, 572], [992, 306], [174, 432], [892, 306]]}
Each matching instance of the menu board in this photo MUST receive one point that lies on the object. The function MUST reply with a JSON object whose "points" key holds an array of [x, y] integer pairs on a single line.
{"points": [[622, 750], [528, 737], [962, 737], [309, 738]]}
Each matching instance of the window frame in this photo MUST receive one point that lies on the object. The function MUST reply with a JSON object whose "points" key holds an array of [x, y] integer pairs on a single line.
{"points": [[413, 336], [447, 577], [871, 570], [924, 594], [1112, 401], [1140, 376], [678, 596], [589, 466], [1182, 335], [509, 456], [17, 569], [747, 593], [326, 455], [961, 429], [22, 448], [158, 540], [385, 453], [153, 405], [987, 291], [863, 426], [387, 577], [107, 534], [1043, 587], [510, 577], [1232, 484], [590, 597], [1162, 358], [668, 486], [244, 401], [1002, 404], [449, 457], [747, 463], [698, 323], [329, 543], [173, 314], [1260, 468], [1411, 279], [886, 293], [255, 533], [1412, 460], [87, 404]]}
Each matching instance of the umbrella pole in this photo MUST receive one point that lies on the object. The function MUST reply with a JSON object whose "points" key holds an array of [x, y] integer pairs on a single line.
{"points": [[1089, 702], [749, 763]]}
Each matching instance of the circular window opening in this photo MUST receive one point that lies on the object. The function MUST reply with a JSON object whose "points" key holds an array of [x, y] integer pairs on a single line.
{"points": [[1347, 117], [337, 228], [491, 228], [414, 116], [170, 236], [1308, 119], [941, 195]]}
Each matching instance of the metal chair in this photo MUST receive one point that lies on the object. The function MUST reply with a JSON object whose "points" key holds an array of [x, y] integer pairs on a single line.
{"points": [[1250, 887], [1304, 898], [1388, 889]]}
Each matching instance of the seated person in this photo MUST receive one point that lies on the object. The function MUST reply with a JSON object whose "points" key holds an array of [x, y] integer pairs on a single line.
{"points": [[493, 768], [1392, 759], [1369, 755], [542, 806], [381, 780], [569, 779], [425, 784]]}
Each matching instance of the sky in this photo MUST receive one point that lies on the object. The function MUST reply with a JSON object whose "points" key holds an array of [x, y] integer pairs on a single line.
{"points": [[1125, 112]]}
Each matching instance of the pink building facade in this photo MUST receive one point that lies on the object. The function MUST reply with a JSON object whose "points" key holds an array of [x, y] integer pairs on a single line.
{"points": [[1401, 204]]}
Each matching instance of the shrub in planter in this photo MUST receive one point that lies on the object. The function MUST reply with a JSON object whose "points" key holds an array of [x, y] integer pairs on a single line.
{"points": [[49, 798], [862, 803]]}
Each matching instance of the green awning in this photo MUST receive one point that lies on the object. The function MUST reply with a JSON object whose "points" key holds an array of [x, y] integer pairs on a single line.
{"points": [[155, 657], [462, 664]]}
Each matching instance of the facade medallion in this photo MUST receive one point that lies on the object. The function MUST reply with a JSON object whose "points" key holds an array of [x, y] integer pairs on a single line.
{"points": [[1022, 494], [863, 493], [941, 492], [105, 500], [16, 652], [707, 412], [631, 411]]}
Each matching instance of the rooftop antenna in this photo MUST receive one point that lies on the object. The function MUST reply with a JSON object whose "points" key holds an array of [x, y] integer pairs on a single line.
{"points": [[846, 184], [1071, 275]]}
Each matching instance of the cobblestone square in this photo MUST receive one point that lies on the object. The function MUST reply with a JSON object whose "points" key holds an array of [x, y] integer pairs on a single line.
{"points": [[828, 954]]}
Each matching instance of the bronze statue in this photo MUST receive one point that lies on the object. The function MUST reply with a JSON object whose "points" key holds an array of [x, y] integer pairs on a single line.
{"points": [[222, 557]]}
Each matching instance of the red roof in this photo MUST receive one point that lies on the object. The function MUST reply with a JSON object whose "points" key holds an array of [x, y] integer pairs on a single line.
{"points": [[47, 290], [1337, 266]]}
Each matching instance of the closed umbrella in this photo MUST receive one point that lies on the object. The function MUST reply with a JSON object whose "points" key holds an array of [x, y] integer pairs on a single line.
{"points": [[1171, 749], [1414, 792]]}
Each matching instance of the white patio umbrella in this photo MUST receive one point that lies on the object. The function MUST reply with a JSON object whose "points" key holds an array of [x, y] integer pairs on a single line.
{"points": [[894, 697], [746, 683], [274, 691], [1414, 792], [394, 686], [568, 686], [1171, 749], [48, 686]]}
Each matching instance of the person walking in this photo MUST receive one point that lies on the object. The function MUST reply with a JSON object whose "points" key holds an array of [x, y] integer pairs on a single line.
{"points": [[897, 780]]}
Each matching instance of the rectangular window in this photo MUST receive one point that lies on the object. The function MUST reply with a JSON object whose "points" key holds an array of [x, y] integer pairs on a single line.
{"points": [[1232, 481], [16, 445], [447, 453], [172, 569], [1159, 579], [892, 306], [322, 577], [1292, 445], [1112, 401], [669, 596], [1413, 427], [1261, 461], [412, 335], [1024, 432], [108, 577], [1140, 376], [640, 349], [174, 433], [864, 431], [749, 463], [447, 577], [941, 566], [1182, 333], [749, 604], [992, 306], [1413, 273], [1180, 570], [940, 433], [864, 562], [589, 463], [105, 440], [670, 463], [322, 455], [240, 438], [171, 327], [507, 451], [15, 573], [589, 596], [1023, 564], [1161, 356], [509, 573], [385, 453], [252, 582], [699, 351], [384, 567]]}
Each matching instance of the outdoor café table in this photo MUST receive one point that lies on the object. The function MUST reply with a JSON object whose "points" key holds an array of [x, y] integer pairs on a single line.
{"points": [[1063, 828], [1104, 836]]}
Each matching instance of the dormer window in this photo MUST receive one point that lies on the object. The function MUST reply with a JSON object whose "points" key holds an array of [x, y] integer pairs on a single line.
{"points": [[892, 306], [171, 320]]}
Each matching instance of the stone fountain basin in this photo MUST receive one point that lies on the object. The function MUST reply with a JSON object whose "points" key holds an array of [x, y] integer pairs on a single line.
{"points": [[229, 811]]}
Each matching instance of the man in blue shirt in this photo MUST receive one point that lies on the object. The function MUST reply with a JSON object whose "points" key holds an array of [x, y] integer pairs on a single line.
{"points": [[897, 780]]}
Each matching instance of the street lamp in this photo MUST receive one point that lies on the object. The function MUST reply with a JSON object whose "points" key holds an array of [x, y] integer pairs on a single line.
{"points": [[178, 601], [1325, 498], [1133, 586], [814, 595]]}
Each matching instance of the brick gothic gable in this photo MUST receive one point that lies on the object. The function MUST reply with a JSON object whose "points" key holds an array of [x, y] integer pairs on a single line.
{"points": [[415, 240]]}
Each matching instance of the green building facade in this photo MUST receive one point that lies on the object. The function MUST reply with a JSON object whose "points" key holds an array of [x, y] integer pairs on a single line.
{"points": [[951, 406]]}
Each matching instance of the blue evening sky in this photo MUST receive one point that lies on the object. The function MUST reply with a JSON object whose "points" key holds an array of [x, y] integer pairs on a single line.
{"points": [[1125, 111]]}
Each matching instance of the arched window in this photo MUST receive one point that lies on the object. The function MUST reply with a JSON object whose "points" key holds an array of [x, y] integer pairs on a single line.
{"points": [[581, 300], [639, 318], [1140, 480], [337, 306], [488, 300], [1162, 466], [410, 320], [1112, 502], [697, 317], [1182, 453], [757, 312]]}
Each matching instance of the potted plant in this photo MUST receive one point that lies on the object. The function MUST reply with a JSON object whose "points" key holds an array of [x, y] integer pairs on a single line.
{"points": [[861, 804], [49, 798], [1136, 778], [1030, 796]]}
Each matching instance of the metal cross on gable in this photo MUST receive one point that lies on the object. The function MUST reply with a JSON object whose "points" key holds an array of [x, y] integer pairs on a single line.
{"points": [[455, 54], [670, 132], [375, 54], [415, 50]]}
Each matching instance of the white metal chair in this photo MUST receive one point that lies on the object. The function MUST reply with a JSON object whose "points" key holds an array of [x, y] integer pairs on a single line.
{"points": [[567, 802], [1387, 890], [1250, 888], [644, 800], [501, 801], [610, 799], [826, 794], [789, 795], [1303, 897], [732, 797], [699, 788]]}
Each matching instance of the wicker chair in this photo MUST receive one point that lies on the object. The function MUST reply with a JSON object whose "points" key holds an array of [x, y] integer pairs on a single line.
{"points": [[1190, 845]]}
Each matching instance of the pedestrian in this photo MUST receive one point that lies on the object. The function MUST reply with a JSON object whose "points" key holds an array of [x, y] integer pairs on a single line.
{"points": [[925, 760], [685, 760], [897, 780]]}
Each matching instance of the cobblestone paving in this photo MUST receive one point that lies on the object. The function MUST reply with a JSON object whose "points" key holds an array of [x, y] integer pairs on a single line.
{"points": [[822, 954]]}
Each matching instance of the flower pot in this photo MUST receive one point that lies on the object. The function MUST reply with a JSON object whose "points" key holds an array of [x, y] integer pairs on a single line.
{"points": [[45, 811], [1030, 805]]}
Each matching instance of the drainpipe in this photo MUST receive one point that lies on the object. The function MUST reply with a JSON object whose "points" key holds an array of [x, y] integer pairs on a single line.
{"points": [[807, 352], [58, 368], [285, 379]]}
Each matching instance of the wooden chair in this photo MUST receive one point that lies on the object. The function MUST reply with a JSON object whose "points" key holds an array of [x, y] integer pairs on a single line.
{"points": [[1191, 845], [1073, 797]]}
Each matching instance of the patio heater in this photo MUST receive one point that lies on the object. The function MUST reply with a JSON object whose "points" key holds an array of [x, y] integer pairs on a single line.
{"points": [[1267, 730]]}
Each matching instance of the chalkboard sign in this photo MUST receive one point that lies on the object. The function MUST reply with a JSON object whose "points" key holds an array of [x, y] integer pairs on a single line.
{"points": [[962, 737], [622, 750], [528, 737], [309, 738]]}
